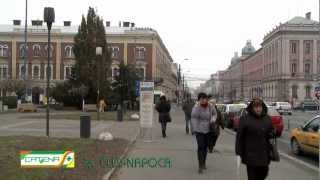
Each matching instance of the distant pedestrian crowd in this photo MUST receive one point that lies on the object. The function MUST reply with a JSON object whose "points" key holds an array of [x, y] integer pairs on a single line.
{"points": [[204, 120]]}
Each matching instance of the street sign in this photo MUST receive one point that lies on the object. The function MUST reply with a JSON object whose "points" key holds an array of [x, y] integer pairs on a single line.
{"points": [[146, 104]]}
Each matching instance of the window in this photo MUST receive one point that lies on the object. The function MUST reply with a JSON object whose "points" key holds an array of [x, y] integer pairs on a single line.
{"points": [[68, 71], [295, 91], [312, 125], [293, 47], [3, 71], [68, 52], [114, 50], [293, 69], [36, 50], [307, 68], [4, 50], [50, 71], [141, 73], [23, 50], [308, 48], [22, 71], [115, 72], [35, 71], [308, 92], [51, 50], [140, 52]]}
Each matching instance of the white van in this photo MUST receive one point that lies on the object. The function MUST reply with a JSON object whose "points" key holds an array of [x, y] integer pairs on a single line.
{"points": [[283, 107]]}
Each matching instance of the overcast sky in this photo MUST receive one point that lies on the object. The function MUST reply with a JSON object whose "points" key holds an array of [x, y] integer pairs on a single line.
{"points": [[207, 32]]}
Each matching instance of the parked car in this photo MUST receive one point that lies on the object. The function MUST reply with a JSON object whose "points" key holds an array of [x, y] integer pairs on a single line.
{"points": [[308, 106], [276, 118], [236, 119], [231, 110], [306, 138], [283, 107]]}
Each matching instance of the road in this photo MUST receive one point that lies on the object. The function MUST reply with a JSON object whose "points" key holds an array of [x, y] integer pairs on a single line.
{"points": [[297, 119], [181, 149]]}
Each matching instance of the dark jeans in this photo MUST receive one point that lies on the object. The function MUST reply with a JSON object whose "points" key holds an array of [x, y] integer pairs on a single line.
{"points": [[188, 126], [203, 142], [257, 173], [213, 137], [163, 128]]}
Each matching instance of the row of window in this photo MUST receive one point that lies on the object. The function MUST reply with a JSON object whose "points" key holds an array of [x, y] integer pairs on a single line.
{"points": [[37, 71], [68, 51], [270, 91], [139, 52], [295, 91], [141, 72], [36, 51], [307, 47]]}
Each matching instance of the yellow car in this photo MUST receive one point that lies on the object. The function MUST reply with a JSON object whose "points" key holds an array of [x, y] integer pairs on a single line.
{"points": [[306, 138]]}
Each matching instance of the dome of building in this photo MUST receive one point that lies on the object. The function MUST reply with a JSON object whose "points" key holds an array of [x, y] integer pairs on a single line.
{"points": [[235, 58], [248, 49]]}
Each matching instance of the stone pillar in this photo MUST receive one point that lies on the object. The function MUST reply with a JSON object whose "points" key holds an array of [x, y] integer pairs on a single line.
{"points": [[314, 57], [14, 59], [300, 61], [125, 53], [58, 60]]}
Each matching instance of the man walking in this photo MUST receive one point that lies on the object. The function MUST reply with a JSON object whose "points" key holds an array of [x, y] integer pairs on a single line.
{"points": [[187, 109]]}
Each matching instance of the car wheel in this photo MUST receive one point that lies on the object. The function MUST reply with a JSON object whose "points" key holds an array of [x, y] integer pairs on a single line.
{"points": [[295, 147], [290, 113]]}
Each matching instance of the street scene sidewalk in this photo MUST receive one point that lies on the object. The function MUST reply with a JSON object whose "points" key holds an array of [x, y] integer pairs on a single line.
{"points": [[181, 149]]}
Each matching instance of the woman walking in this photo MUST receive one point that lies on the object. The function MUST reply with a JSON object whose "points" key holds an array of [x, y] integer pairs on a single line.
{"points": [[201, 117], [253, 140], [163, 108], [215, 127]]}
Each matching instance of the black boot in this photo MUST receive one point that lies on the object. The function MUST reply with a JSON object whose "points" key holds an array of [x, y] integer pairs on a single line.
{"points": [[164, 133]]}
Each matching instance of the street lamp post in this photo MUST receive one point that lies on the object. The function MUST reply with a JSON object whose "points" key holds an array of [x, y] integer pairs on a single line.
{"points": [[25, 54], [49, 17], [98, 54]]}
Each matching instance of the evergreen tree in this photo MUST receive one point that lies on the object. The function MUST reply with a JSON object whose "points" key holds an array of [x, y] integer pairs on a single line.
{"points": [[91, 34]]}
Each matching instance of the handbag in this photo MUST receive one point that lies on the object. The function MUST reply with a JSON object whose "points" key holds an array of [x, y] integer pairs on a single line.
{"points": [[274, 153]]}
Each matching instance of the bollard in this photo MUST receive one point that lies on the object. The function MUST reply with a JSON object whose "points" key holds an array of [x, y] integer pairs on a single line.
{"points": [[85, 126]]}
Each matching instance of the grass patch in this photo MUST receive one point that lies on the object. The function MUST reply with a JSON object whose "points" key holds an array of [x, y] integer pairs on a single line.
{"points": [[105, 116], [88, 153]]}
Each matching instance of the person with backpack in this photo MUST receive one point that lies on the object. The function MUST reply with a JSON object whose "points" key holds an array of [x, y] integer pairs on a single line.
{"points": [[187, 109]]}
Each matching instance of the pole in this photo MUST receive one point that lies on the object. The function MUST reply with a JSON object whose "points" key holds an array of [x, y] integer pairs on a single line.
{"points": [[48, 80], [98, 86], [25, 55]]}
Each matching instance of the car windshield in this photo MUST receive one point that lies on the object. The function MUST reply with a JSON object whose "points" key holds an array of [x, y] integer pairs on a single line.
{"points": [[235, 108]]}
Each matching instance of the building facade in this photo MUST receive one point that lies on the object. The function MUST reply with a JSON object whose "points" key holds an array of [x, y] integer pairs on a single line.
{"points": [[285, 68], [141, 47]]}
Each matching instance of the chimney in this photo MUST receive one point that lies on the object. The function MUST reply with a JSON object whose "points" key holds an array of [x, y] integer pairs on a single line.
{"points": [[108, 23], [126, 24], [308, 15], [17, 22], [66, 23], [36, 22]]}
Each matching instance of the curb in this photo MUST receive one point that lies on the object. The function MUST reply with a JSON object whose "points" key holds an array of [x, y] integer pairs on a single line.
{"points": [[112, 171], [286, 156]]}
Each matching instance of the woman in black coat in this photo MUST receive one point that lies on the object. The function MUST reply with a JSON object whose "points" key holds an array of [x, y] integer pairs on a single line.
{"points": [[163, 108], [253, 140]]}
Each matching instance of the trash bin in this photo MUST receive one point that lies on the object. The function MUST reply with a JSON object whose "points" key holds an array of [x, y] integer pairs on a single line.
{"points": [[85, 121]]}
